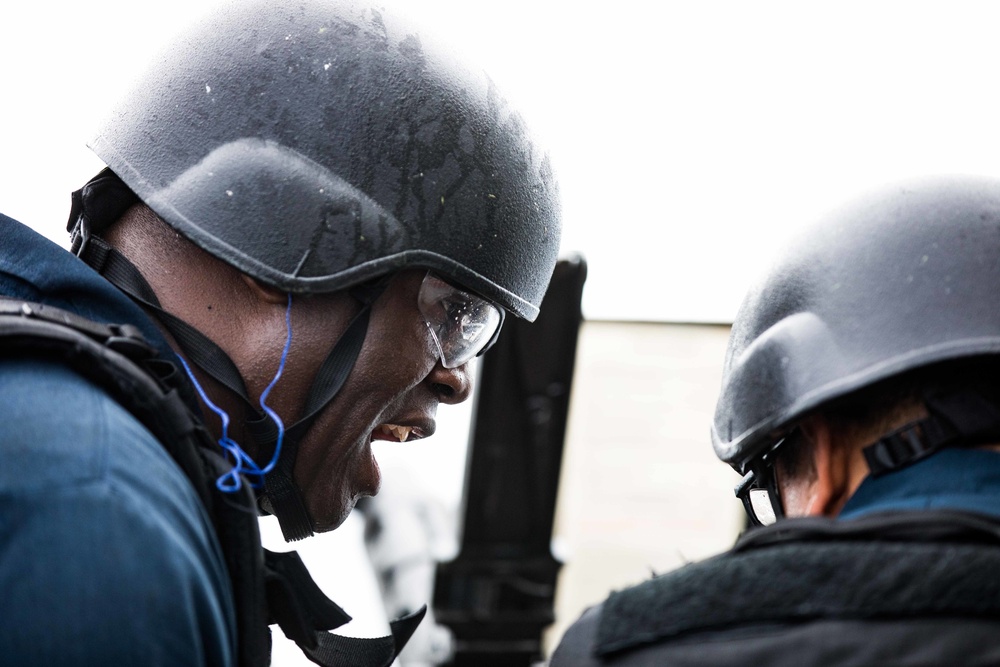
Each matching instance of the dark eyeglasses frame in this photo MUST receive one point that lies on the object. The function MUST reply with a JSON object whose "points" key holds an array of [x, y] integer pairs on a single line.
{"points": [[761, 476]]}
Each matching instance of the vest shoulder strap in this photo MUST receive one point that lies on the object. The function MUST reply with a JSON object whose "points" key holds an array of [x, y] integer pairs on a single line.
{"points": [[268, 588]]}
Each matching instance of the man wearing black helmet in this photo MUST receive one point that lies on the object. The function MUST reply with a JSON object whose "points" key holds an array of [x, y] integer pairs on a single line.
{"points": [[861, 403], [309, 225]]}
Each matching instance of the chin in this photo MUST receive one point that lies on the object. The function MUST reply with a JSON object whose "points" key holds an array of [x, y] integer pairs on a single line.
{"points": [[332, 518]]}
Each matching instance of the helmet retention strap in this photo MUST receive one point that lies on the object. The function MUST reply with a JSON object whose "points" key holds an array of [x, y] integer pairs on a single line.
{"points": [[280, 495]]}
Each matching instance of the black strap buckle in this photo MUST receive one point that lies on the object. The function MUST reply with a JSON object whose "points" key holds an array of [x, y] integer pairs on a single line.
{"points": [[125, 339], [80, 235], [907, 444]]}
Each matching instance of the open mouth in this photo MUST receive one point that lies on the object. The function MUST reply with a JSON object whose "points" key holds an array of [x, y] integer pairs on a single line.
{"points": [[396, 433]]}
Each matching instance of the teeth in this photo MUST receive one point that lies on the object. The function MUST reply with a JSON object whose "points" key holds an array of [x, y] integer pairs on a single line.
{"points": [[399, 432]]}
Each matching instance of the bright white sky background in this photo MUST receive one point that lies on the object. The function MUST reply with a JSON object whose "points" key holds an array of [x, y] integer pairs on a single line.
{"points": [[688, 136]]}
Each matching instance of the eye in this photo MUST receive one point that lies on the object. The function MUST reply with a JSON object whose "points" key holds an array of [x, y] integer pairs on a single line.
{"points": [[456, 306], [471, 329]]}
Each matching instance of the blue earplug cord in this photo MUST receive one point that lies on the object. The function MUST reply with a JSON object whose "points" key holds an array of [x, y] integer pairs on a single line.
{"points": [[243, 464]]}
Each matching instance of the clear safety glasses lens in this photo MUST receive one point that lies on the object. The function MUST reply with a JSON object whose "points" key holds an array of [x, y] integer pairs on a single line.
{"points": [[763, 507], [462, 325], [759, 487], [760, 499]]}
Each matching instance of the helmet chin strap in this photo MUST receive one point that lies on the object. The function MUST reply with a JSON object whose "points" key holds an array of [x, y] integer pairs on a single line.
{"points": [[958, 417], [280, 495]]}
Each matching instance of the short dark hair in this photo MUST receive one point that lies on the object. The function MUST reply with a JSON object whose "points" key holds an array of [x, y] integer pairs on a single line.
{"points": [[877, 409]]}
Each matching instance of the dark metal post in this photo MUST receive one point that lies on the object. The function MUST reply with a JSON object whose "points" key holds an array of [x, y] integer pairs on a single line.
{"points": [[497, 595]]}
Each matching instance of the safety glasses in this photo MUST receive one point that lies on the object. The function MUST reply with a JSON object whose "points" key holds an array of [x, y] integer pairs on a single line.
{"points": [[759, 490], [462, 325]]}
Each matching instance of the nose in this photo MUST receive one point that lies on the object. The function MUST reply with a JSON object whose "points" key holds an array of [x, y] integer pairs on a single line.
{"points": [[452, 385]]}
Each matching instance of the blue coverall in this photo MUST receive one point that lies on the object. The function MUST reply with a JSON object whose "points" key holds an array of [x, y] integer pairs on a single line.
{"points": [[106, 555]]}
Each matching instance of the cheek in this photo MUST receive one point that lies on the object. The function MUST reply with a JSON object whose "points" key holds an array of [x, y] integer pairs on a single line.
{"points": [[330, 470], [399, 357], [795, 495], [334, 463]]}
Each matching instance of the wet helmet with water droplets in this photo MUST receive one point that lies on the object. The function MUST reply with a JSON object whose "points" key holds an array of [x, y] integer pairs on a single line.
{"points": [[317, 145]]}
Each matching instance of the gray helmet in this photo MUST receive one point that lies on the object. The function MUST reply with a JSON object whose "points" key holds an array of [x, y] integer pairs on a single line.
{"points": [[315, 146], [900, 280]]}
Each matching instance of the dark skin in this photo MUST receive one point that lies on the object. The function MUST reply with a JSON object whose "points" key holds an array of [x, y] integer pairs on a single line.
{"points": [[398, 379]]}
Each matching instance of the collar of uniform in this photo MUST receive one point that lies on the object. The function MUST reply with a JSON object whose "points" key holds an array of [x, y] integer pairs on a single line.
{"points": [[955, 479], [35, 269]]}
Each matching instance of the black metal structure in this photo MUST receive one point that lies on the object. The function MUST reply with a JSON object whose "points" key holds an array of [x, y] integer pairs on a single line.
{"points": [[497, 595]]}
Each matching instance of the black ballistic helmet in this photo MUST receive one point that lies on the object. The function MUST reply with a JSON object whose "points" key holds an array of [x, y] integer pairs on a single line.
{"points": [[900, 280], [316, 145]]}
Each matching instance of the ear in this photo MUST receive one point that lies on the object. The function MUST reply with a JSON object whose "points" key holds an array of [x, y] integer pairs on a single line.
{"points": [[263, 292], [832, 485]]}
